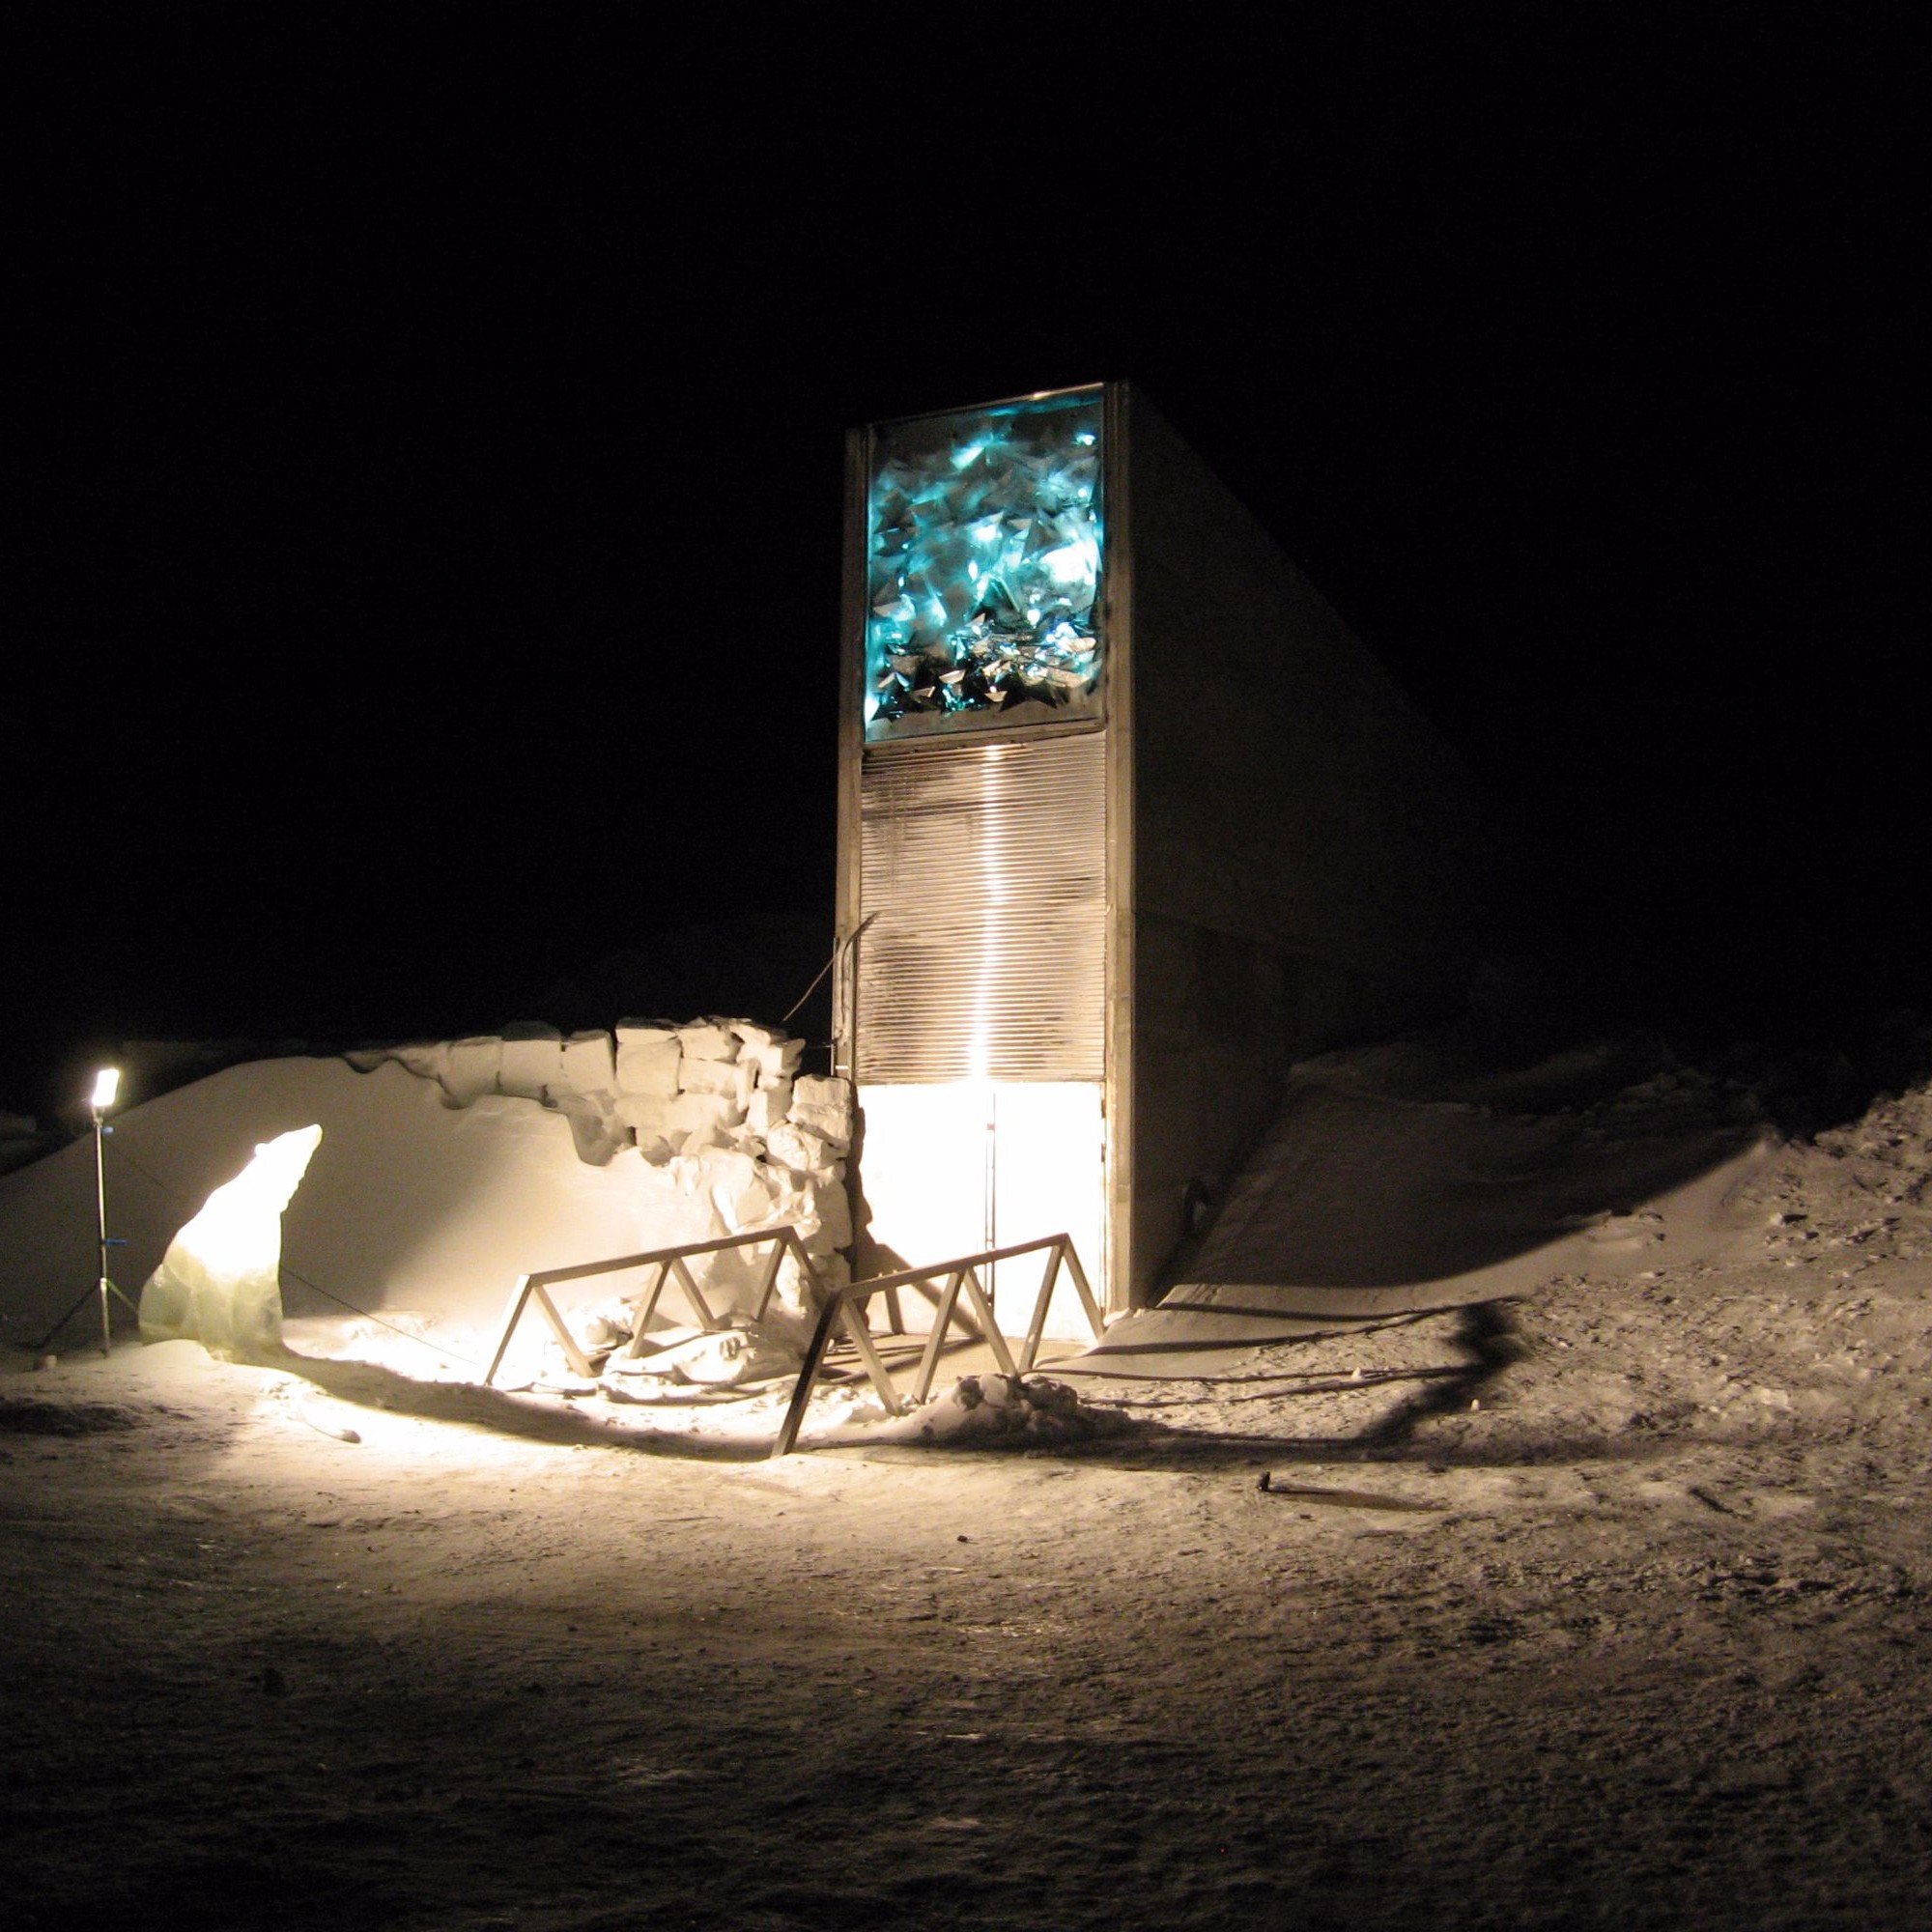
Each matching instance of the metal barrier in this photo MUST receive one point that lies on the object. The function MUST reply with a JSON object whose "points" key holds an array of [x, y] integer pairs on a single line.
{"points": [[667, 1262], [963, 1276], [837, 1307]]}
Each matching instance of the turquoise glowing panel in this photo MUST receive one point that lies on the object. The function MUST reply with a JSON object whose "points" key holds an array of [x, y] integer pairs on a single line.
{"points": [[984, 546]]}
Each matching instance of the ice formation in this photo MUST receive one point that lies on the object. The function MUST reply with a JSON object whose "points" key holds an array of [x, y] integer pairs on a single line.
{"points": [[219, 1283], [984, 566]]}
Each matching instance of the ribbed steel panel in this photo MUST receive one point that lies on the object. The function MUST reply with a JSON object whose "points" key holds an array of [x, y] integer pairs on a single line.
{"points": [[983, 873]]}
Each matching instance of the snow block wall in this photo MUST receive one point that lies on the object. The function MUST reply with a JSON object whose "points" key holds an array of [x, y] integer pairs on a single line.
{"points": [[448, 1169], [715, 1113]]}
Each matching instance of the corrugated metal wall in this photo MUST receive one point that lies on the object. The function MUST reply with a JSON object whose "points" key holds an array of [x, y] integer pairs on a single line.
{"points": [[986, 865]]}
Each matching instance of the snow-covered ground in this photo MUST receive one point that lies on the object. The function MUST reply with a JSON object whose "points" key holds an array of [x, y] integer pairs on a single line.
{"points": [[1607, 1604]]}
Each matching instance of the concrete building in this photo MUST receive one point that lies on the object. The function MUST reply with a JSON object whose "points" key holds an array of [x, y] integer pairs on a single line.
{"points": [[1128, 822]]}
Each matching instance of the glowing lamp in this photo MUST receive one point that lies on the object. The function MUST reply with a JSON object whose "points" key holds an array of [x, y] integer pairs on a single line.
{"points": [[106, 1085]]}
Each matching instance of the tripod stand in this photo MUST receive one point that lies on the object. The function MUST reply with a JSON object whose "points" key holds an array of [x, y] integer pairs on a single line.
{"points": [[107, 1084]]}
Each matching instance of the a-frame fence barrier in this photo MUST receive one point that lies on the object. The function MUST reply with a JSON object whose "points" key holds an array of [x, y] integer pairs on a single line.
{"points": [[962, 1276], [670, 1263], [839, 1308]]}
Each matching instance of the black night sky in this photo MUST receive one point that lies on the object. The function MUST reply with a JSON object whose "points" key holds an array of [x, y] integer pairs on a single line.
{"points": [[423, 595]]}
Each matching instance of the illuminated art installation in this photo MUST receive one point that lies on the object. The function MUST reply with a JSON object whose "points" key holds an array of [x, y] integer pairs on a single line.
{"points": [[984, 568], [219, 1283]]}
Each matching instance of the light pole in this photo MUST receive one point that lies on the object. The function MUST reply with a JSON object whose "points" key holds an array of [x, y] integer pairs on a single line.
{"points": [[106, 1085]]}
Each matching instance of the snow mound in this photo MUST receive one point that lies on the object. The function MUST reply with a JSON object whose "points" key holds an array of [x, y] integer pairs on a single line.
{"points": [[983, 1412]]}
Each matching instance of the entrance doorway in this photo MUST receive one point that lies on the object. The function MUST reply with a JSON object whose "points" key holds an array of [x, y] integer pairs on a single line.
{"points": [[959, 1167]]}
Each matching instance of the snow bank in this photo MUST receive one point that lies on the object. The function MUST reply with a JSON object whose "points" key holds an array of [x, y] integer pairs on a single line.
{"points": [[448, 1169], [1398, 1178]]}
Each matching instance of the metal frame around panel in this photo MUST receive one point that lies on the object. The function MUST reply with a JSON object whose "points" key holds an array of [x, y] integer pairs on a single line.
{"points": [[1117, 1059], [999, 402], [847, 914]]}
